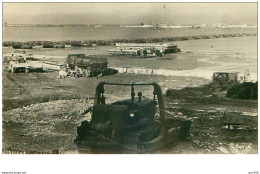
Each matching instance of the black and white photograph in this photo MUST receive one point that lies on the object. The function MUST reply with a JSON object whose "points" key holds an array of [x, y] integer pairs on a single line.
{"points": [[110, 78], [129, 78]]}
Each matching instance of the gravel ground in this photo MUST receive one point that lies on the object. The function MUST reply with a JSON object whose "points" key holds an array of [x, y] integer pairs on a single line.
{"points": [[42, 123]]}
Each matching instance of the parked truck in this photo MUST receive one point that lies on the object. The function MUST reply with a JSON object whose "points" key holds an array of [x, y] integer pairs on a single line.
{"points": [[93, 65], [18, 65], [231, 77], [25, 64]]}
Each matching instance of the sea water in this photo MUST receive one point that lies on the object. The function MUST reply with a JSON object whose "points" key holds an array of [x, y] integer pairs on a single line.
{"points": [[106, 32]]}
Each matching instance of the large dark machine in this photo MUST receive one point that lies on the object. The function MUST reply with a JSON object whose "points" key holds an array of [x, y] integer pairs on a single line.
{"points": [[135, 125]]}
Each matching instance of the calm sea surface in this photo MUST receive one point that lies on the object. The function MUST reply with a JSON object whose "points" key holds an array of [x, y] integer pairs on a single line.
{"points": [[105, 33]]}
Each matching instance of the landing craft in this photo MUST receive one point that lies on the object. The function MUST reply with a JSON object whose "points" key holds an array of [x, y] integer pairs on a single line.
{"points": [[144, 49]]}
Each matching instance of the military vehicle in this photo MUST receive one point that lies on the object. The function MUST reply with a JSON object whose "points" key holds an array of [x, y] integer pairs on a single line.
{"points": [[24, 63], [17, 65], [95, 65], [134, 125]]}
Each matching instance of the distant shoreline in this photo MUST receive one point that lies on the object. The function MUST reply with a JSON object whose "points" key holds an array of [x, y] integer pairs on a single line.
{"points": [[89, 43]]}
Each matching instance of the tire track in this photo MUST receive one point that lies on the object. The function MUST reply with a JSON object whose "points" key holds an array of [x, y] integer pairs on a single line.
{"points": [[22, 89]]}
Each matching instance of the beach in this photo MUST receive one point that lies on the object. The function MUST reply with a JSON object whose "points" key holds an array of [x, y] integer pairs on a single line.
{"points": [[197, 58], [35, 105]]}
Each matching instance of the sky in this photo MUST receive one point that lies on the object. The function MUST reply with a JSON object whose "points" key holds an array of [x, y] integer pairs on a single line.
{"points": [[129, 13]]}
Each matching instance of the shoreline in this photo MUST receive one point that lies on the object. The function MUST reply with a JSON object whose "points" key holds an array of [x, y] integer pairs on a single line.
{"points": [[190, 62], [93, 43]]}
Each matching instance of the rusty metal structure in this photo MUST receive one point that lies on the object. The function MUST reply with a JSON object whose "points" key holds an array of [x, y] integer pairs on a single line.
{"points": [[134, 125]]}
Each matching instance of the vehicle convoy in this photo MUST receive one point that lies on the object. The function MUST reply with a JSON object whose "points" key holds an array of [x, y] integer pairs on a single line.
{"points": [[135, 125]]}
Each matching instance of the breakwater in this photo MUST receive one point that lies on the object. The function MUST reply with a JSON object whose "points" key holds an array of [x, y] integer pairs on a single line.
{"points": [[90, 43]]}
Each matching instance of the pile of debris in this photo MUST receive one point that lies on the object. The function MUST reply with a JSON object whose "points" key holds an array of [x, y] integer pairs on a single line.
{"points": [[246, 90]]}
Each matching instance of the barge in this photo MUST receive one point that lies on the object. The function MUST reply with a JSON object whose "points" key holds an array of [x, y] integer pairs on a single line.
{"points": [[144, 50]]}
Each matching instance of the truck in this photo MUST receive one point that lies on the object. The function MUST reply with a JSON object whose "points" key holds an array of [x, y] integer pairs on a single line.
{"points": [[25, 64], [18, 65], [230, 78], [93, 65]]}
